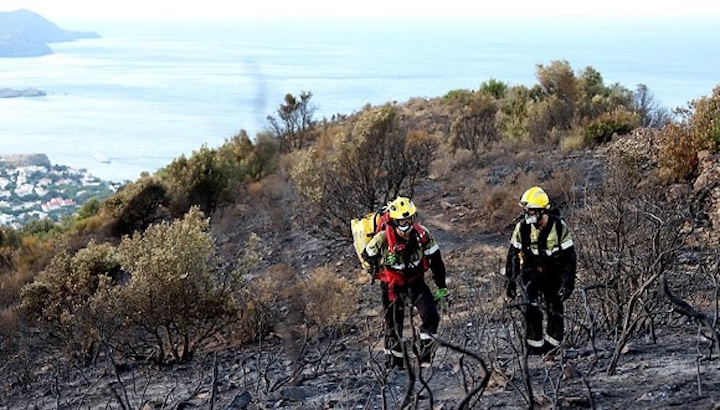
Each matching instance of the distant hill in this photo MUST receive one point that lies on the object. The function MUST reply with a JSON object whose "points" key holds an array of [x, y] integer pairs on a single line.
{"points": [[24, 33]]}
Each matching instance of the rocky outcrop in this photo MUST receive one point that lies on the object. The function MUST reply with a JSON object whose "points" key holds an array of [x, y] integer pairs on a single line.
{"points": [[24, 160], [639, 148], [26, 34]]}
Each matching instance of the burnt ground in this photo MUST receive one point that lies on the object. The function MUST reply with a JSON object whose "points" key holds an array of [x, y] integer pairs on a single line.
{"points": [[344, 369]]}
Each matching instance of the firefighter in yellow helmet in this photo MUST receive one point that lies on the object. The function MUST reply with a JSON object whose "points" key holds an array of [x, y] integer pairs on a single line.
{"points": [[542, 260], [402, 252]]}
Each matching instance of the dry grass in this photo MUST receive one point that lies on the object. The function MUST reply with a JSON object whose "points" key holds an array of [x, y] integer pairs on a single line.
{"points": [[10, 285], [329, 299]]}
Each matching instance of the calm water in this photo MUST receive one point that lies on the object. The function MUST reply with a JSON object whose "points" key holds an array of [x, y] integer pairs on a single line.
{"points": [[144, 94]]}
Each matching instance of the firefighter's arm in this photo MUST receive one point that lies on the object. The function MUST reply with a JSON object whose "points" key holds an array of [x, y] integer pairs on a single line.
{"points": [[373, 261], [372, 253], [438, 269], [513, 263], [512, 271], [431, 250], [568, 263]]}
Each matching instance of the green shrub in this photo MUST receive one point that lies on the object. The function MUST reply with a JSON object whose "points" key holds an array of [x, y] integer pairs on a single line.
{"points": [[200, 180], [705, 119], [61, 299], [698, 129], [352, 172], [495, 88], [173, 294], [617, 122], [89, 209], [512, 119], [210, 176], [135, 206], [474, 127], [457, 97]]}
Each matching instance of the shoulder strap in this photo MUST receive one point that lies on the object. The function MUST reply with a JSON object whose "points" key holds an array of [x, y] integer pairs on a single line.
{"points": [[380, 219], [391, 237], [525, 235], [421, 234], [542, 238], [559, 228]]}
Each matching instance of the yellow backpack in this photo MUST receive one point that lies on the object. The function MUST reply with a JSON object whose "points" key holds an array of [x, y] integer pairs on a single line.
{"points": [[363, 230]]}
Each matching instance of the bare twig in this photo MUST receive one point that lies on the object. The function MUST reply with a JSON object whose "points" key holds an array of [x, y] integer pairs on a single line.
{"points": [[685, 309], [486, 377], [591, 400], [214, 381]]}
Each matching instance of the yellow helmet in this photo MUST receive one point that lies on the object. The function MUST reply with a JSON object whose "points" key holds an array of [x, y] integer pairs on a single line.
{"points": [[401, 208], [535, 198]]}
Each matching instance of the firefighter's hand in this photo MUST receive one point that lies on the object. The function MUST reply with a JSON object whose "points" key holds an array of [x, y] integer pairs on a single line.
{"points": [[511, 291], [440, 294], [391, 259], [441, 298], [374, 266], [564, 293]]}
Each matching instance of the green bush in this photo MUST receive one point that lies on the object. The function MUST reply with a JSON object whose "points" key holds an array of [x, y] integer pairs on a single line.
{"points": [[602, 129], [699, 129], [135, 206], [352, 172], [512, 119], [474, 127], [457, 97], [705, 119], [495, 88], [199, 180], [173, 294], [61, 299], [210, 176]]}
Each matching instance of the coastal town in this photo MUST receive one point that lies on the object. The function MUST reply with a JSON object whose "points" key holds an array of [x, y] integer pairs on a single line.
{"points": [[33, 188]]}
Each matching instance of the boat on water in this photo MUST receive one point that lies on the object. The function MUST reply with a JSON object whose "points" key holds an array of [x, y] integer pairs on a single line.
{"points": [[100, 158]]}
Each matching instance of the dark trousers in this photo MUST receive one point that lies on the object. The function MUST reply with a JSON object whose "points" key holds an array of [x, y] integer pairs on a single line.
{"points": [[543, 288], [418, 294]]}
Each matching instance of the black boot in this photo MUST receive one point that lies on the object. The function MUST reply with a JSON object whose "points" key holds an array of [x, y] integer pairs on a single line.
{"points": [[392, 362], [426, 348], [538, 350]]}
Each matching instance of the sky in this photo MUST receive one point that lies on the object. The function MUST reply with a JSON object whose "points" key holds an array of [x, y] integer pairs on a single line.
{"points": [[84, 10]]}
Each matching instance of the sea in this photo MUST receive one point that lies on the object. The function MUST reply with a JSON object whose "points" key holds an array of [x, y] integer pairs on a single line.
{"points": [[145, 93]]}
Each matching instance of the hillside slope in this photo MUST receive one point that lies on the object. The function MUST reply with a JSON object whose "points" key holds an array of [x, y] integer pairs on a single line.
{"points": [[344, 369]]}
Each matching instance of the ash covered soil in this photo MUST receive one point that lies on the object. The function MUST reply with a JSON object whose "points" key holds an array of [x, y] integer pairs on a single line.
{"points": [[480, 367]]}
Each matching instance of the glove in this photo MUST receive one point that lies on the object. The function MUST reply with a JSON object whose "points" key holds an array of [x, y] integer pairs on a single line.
{"points": [[391, 259], [564, 292], [440, 294], [511, 290]]}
